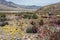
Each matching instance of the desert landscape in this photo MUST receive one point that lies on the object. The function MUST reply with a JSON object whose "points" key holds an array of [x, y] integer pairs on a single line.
{"points": [[18, 22]]}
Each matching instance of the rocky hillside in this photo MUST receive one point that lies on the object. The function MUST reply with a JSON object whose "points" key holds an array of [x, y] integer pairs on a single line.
{"points": [[53, 8]]}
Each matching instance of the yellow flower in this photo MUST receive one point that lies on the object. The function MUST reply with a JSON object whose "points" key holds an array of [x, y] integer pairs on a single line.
{"points": [[5, 30], [12, 30], [20, 32]]}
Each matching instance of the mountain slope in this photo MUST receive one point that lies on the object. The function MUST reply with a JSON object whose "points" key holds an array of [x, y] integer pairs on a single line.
{"points": [[10, 6], [53, 8]]}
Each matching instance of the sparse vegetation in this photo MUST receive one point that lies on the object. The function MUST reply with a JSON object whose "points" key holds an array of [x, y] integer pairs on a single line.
{"points": [[58, 22], [27, 16], [32, 30], [41, 22], [44, 22], [35, 16], [30, 15], [32, 23], [3, 24], [3, 20]]}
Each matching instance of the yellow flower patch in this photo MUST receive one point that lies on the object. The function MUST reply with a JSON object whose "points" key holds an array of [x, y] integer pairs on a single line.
{"points": [[12, 30]]}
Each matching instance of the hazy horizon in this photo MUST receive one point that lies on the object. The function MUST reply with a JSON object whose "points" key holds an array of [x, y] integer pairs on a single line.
{"points": [[34, 2]]}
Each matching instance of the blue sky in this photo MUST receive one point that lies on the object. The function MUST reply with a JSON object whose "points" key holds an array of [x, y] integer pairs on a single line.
{"points": [[34, 2]]}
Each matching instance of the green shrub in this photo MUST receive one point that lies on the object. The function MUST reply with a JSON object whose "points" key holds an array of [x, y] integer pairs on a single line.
{"points": [[30, 15], [3, 24], [26, 16], [29, 30], [3, 20], [32, 30], [58, 22], [3, 17], [34, 16], [32, 23], [41, 22]]}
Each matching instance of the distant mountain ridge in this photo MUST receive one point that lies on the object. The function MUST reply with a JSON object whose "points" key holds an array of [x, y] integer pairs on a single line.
{"points": [[8, 5]]}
